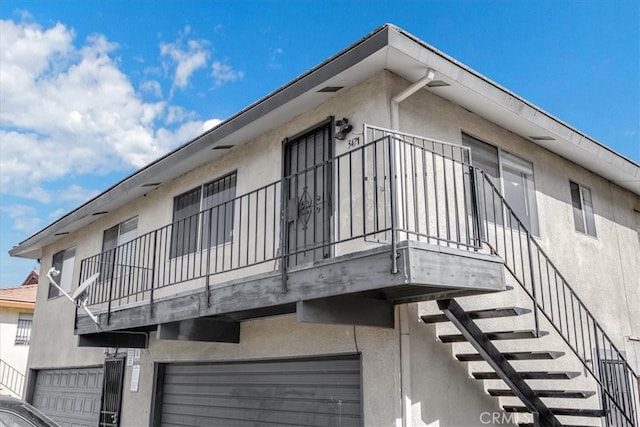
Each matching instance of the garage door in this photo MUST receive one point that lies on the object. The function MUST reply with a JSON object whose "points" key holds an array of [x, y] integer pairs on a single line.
{"points": [[69, 396], [297, 392]]}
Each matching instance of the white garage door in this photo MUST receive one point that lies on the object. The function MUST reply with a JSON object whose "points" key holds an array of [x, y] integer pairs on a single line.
{"points": [[70, 397], [293, 392]]}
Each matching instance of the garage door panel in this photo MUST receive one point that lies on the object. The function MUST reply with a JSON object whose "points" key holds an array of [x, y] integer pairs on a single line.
{"points": [[257, 401], [221, 417], [317, 406], [248, 367], [69, 396], [301, 392], [293, 379]]}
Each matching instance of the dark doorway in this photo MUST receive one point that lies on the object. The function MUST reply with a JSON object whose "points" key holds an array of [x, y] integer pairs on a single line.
{"points": [[307, 195], [112, 392]]}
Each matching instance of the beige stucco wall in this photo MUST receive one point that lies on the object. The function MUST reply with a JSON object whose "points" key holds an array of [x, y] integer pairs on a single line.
{"points": [[607, 265]]}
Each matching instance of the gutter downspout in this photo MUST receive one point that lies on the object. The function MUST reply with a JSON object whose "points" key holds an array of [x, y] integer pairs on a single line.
{"points": [[396, 100], [403, 309]]}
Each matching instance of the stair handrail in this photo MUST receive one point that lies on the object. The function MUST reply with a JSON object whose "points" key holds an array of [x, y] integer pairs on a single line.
{"points": [[11, 378], [608, 382]]}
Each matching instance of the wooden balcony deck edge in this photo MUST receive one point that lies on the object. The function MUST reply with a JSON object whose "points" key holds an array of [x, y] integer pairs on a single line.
{"points": [[438, 269]]}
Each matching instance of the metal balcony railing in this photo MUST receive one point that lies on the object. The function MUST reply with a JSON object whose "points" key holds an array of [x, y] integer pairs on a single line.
{"points": [[390, 188]]}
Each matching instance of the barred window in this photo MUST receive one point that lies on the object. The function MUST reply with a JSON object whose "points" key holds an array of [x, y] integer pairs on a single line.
{"points": [[23, 333], [203, 216]]}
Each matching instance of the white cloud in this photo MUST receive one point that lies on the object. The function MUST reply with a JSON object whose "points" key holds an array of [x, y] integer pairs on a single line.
{"points": [[210, 124], [69, 111], [152, 87], [223, 73], [187, 57], [179, 115], [25, 218], [77, 193]]}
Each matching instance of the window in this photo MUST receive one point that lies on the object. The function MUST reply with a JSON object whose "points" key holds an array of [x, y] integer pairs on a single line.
{"points": [[583, 217], [509, 173], [23, 333], [214, 224], [63, 261], [114, 237]]}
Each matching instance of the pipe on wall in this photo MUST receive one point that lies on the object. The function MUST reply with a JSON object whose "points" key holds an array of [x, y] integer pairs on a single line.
{"points": [[403, 311]]}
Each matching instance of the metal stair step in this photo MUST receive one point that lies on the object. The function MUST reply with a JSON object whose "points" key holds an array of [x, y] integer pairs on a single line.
{"points": [[533, 375], [500, 335], [573, 412], [562, 394], [515, 355], [489, 313]]}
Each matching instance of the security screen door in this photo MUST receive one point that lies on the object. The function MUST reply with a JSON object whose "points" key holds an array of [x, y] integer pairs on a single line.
{"points": [[307, 181]]}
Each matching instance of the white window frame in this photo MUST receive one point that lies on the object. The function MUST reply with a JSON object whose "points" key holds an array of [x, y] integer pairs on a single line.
{"points": [[113, 264], [201, 221], [530, 201], [64, 262], [585, 211]]}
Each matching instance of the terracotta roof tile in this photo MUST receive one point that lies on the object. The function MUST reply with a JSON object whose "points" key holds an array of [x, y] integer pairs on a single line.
{"points": [[24, 293]]}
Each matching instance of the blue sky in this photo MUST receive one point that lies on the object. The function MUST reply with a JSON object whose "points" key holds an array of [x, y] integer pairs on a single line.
{"points": [[92, 90]]}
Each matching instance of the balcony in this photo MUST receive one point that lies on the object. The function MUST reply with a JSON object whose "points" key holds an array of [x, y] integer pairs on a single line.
{"points": [[395, 219]]}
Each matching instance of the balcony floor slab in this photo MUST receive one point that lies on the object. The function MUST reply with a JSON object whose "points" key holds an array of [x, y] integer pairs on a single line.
{"points": [[425, 272]]}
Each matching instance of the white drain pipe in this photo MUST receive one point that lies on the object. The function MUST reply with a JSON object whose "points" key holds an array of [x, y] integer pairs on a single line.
{"points": [[396, 100], [403, 310]]}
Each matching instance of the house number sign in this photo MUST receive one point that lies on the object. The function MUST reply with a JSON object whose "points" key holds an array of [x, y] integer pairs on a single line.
{"points": [[353, 142]]}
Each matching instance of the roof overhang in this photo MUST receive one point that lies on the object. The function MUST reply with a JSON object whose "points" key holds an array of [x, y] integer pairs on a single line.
{"points": [[387, 48], [17, 304]]}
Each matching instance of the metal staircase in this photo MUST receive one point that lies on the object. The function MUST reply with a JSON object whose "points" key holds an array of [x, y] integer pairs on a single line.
{"points": [[11, 379], [570, 374]]}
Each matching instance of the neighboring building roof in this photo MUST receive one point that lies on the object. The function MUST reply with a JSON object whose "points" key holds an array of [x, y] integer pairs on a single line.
{"points": [[23, 296], [387, 48], [32, 278]]}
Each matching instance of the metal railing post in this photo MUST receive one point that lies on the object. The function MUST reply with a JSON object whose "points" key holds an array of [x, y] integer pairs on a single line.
{"points": [[477, 221], [392, 205], [208, 267], [283, 232], [536, 319], [153, 271], [112, 275]]}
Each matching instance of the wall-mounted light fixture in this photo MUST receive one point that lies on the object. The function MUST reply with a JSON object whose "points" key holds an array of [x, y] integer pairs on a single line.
{"points": [[345, 128]]}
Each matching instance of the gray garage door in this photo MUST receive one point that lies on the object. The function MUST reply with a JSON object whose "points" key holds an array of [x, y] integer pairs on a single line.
{"points": [[294, 392], [69, 396]]}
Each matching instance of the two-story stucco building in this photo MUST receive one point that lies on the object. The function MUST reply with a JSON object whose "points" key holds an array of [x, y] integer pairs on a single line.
{"points": [[391, 239]]}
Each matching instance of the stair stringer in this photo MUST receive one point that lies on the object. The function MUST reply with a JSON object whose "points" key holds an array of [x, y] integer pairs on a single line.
{"points": [[552, 342]]}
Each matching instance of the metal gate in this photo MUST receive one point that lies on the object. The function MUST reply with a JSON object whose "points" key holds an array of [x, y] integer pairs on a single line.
{"points": [[112, 392], [307, 193]]}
